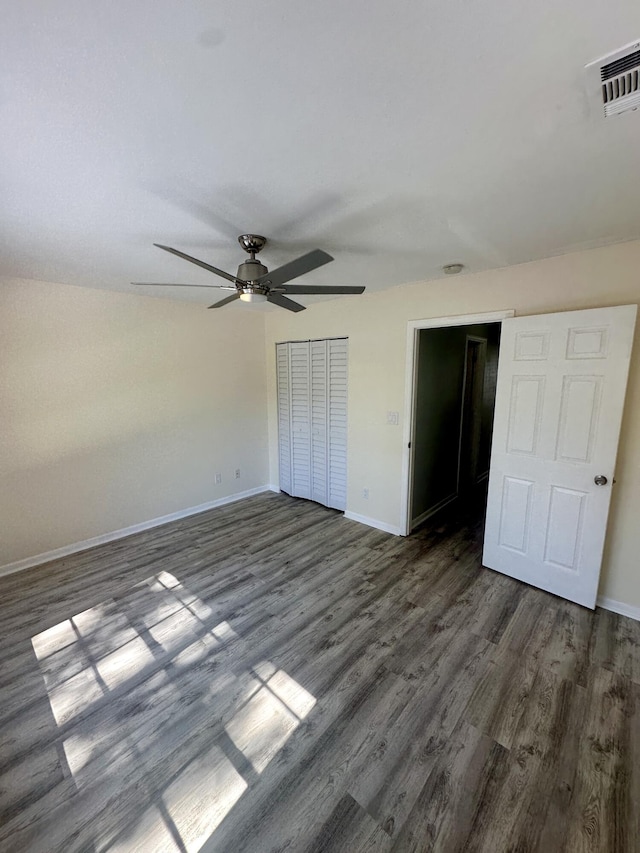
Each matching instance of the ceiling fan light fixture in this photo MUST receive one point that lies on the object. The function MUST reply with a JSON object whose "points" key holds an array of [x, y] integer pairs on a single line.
{"points": [[253, 297]]}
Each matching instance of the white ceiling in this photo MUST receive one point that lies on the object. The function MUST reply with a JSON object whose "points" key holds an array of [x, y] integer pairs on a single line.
{"points": [[398, 136]]}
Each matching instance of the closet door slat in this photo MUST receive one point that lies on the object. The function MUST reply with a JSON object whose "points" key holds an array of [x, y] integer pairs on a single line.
{"points": [[319, 466], [300, 419], [284, 416], [337, 352]]}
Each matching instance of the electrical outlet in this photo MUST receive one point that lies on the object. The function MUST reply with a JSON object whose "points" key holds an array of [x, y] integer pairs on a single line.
{"points": [[218, 479], [365, 494], [237, 473]]}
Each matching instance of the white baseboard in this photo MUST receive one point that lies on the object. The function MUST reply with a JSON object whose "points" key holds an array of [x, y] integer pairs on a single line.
{"points": [[373, 522], [618, 607], [272, 488], [76, 547]]}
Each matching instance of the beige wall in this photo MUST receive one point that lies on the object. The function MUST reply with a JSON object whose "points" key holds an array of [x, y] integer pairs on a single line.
{"points": [[376, 325], [116, 409]]}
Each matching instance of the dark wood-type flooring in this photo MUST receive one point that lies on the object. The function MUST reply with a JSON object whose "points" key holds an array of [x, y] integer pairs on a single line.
{"points": [[270, 676]]}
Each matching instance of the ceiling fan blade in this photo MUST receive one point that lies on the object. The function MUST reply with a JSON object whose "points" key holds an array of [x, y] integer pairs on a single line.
{"points": [[302, 265], [307, 288], [202, 264], [225, 301], [283, 302], [165, 284]]}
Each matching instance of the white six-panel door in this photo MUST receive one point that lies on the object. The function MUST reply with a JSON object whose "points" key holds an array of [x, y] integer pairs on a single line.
{"points": [[560, 393]]}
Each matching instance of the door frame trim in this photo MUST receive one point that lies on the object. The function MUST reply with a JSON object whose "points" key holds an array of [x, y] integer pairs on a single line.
{"points": [[413, 327], [483, 346]]}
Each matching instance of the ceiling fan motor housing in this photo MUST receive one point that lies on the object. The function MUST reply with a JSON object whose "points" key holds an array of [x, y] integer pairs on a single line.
{"points": [[251, 270]]}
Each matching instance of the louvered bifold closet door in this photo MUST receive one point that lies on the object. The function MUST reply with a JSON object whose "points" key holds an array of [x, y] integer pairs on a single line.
{"points": [[319, 424], [312, 420], [300, 400], [284, 416], [337, 353]]}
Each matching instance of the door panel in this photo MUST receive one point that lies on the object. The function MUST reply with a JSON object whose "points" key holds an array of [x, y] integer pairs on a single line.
{"points": [[300, 420], [284, 416], [516, 514], [561, 386], [564, 527], [525, 414], [337, 353], [319, 421]]}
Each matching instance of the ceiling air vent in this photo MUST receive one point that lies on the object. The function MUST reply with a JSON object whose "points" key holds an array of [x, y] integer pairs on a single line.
{"points": [[617, 78]]}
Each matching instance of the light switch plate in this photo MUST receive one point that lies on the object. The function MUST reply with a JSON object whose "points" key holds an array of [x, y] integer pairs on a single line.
{"points": [[393, 418]]}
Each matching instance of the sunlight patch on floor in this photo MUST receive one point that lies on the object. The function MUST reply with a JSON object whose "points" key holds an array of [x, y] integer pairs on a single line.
{"points": [[114, 674], [149, 833], [199, 799], [75, 695], [96, 742], [263, 725], [54, 639], [125, 663]]}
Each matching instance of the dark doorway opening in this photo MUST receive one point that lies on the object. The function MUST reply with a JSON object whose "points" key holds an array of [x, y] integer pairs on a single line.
{"points": [[455, 385]]}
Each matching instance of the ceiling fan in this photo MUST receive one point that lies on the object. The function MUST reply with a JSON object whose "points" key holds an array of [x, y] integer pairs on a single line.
{"points": [[254, 283]]}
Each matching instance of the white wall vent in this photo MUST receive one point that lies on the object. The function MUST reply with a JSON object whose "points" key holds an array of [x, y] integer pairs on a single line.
{"points": [[616, 80]]}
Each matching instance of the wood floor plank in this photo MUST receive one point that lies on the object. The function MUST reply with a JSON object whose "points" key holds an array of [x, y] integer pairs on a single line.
{"points": [[529, 630], [316, 685], [448, 808], [553, 714], [615, 644], [567, 652], [399, 764], [602, 816], [349, 827], [499, 700]]}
